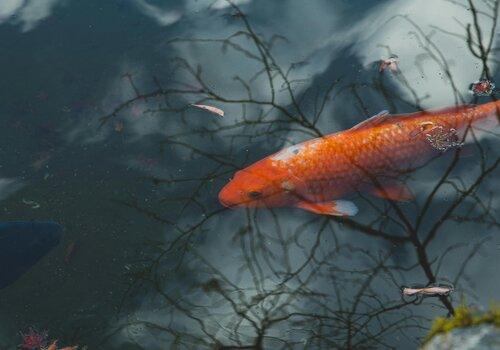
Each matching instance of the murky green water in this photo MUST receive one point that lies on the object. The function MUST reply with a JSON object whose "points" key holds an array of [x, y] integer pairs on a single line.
{"points": [[97, 134]]}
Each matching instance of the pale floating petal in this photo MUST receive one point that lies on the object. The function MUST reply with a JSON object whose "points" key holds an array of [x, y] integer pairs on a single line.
{"points": [[435, 290], [211, 109]]}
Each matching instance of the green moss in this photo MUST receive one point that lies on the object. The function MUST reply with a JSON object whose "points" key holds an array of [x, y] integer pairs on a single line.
{"points": [[464, 317]]}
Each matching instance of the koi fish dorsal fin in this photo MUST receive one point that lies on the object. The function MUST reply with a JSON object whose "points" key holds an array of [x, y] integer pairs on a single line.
{"points": [[393, 191], [375, 120], [336, 208]]}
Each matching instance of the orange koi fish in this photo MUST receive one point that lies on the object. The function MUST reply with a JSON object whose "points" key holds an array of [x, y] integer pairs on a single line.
{"points": [[370, 157]]}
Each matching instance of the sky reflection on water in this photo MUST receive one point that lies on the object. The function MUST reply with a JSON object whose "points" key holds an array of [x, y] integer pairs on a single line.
{"points": [[158, 260]]}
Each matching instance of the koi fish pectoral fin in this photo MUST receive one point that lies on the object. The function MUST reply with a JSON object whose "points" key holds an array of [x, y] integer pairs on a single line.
{"points": [[393, 191], [336, 208]]}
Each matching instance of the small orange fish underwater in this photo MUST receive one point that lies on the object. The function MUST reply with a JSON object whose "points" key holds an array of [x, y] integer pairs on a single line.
{"points": [[318, 174]]}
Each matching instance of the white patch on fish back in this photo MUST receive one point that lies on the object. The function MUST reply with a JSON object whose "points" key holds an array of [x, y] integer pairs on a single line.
{"points": [[287, 153], [296, 150]]}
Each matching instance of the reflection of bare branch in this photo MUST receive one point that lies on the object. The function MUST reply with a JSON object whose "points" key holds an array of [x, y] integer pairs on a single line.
{"points": [[480, 50], [293, 283]]}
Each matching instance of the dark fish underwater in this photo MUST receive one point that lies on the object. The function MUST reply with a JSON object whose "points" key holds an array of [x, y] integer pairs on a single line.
{"points": [[22, 245]]}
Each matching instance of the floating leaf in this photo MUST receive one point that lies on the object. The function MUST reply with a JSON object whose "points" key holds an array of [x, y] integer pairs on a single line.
{"points": [[432, 290], [211, 109]]}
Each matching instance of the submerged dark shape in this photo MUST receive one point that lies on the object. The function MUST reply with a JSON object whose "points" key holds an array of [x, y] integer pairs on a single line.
{"points": [[23, 244]]}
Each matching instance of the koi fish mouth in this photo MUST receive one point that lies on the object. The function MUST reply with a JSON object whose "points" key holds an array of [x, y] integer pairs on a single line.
{"points": [[229, 197], [233, 198], [225, 202], [248, 188]]}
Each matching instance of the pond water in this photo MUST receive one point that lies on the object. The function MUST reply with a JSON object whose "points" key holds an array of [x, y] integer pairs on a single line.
{"points": [[98, 135]]}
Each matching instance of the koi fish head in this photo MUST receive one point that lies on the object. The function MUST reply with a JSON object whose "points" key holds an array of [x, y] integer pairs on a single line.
{"points": [[259, 185]]}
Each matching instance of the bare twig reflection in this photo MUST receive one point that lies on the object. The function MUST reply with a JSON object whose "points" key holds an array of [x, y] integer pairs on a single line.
{"points": [[294, 282]]}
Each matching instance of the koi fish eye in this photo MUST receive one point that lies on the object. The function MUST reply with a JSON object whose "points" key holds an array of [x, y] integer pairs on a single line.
{"points": [[254, 194]]}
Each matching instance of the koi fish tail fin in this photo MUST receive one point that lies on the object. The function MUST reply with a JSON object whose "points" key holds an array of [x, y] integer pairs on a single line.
{"points": [[494, 113], [485, 124]]}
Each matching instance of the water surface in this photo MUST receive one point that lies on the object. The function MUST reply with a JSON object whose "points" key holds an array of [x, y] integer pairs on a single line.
{"points": [[158, 261]]}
